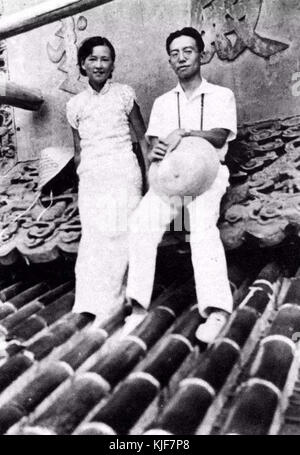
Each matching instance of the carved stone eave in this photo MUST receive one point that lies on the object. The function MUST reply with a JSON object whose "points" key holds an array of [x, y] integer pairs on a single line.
{"points": [[262, 207]]}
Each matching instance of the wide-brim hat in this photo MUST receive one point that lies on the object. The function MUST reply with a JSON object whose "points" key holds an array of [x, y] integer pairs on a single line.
{"points": [[189, 170], [52, 161]]}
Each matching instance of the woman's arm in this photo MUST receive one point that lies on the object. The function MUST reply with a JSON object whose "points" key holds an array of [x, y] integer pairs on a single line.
{"points": [[138, 125], [77, 147]]}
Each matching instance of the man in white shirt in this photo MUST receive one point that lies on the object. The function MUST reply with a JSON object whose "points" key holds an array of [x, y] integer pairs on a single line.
{"points": [[193, 108]]}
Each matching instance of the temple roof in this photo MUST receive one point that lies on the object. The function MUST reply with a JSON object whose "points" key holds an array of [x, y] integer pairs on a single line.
{"points": [[61, 374], [260, 208], [262, 204]]}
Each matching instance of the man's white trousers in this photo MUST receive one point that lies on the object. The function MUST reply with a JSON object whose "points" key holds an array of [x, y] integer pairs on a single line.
{"points": [[147, 226]]}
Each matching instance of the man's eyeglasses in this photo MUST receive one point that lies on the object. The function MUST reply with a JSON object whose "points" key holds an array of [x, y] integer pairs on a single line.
{"points": [[186, 53]]}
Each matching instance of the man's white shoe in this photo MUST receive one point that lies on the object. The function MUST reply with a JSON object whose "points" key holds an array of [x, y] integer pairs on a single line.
{"points": [[210, 329]]}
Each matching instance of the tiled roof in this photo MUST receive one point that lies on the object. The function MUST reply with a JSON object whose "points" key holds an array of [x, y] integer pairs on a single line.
{"points": [[61, 375], [262, 205], [39, 229], [260, 208]]}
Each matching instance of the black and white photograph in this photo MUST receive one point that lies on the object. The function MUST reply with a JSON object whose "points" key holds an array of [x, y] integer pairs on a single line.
{"points": [[149, 220]]}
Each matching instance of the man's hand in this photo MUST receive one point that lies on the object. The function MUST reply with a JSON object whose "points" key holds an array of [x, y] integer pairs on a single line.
{"points": [[166, 145], [158, 151], [174, 139]]}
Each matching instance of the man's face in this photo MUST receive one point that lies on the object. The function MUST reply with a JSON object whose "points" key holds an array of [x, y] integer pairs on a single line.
{"points": [[185, 59], [98, 65]]}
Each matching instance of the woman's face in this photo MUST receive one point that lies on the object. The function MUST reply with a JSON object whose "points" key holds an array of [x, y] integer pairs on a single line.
{"points": [[98, 65]]}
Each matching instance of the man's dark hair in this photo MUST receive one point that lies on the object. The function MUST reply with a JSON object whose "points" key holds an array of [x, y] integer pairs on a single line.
{"points": [[186, 31], [86, 48]]}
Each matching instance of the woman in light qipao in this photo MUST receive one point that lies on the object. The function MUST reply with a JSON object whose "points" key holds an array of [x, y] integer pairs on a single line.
{"points": [[110, 180]]}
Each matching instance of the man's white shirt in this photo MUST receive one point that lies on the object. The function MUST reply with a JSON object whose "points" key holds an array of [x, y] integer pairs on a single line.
{"points": [[219, 111]]}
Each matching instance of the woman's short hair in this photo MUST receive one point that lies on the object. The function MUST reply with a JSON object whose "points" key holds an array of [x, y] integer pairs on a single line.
{"points": [[186, 31], [86, 48]]}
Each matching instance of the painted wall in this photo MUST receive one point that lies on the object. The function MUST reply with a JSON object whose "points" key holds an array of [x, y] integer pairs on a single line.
{"points": [[45, 58]]}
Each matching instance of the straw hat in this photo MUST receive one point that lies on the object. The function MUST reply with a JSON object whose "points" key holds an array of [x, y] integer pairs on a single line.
{"points": [[187, 171], [52, 161]]}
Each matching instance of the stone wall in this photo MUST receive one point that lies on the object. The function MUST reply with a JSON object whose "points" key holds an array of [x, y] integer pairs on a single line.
{"points": [[255, 52]]}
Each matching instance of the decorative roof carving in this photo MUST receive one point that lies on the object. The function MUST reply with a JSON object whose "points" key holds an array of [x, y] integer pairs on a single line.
{"points": [[229, 28]]}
